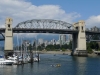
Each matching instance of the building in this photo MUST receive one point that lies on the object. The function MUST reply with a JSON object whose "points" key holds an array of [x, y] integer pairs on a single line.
{"points": [[70, 37], [53, 41], [40, 41], [62, 39], [45, 43], [57, 42]]}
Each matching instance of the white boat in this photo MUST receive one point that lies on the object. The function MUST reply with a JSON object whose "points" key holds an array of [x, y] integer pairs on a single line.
{"points": [[4, 61], [36, 58], [14, 59], [18, 60], [28, 58]]}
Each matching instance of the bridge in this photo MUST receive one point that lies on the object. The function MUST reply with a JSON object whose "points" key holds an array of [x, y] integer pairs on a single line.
{"points": [[79, 33]]}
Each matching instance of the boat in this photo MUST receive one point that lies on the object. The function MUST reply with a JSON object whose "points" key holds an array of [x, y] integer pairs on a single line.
{"points": [[14, 59], [4, 61], [36, 58], [21, 58], [56, 65]]}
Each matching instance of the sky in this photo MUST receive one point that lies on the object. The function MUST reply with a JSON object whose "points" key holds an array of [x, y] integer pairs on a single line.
{"points": [[66, 10]]}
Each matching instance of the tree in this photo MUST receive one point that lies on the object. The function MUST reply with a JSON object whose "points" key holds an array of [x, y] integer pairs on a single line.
{"points": [[43, 45], [34, 44], [40, 48], [30, 47], [89, 50], [56, 46], [70, 45], [50, 47]]}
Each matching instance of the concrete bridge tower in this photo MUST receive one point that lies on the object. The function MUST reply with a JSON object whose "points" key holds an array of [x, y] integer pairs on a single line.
{"points": [[8, 37], [79, 40]]}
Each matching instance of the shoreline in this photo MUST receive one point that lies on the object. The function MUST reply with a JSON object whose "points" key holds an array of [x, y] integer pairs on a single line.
{"points": [[64, 53], [55, 52]]}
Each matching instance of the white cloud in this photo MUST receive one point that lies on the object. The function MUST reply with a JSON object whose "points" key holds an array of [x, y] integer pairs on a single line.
{"points": [[93, 21], [20, 10]]}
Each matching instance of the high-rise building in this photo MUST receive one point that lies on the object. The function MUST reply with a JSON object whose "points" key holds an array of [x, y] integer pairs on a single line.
{"points": [[40, 41], [45, 43], [62, 39], [70, 37], [53, 41], [57, 42]]}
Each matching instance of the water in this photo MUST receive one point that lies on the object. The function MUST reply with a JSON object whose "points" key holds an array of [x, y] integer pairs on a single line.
{"points": [[69, 66]]}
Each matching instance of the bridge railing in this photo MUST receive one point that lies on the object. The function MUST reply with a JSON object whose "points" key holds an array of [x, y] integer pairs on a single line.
{"points": [[93, 29]]}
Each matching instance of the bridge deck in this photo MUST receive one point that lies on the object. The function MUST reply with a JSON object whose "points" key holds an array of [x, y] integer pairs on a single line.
{"points": [[59, 31], [31, 30]]}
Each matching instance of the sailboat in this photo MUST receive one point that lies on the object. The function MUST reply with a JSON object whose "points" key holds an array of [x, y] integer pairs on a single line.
{"points": [[20, 58], [15, 58], [36, 57], [24, 56]]}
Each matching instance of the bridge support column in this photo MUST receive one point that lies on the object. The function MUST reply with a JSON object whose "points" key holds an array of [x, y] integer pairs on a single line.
{"points": [[8, 37], [79, 40]]}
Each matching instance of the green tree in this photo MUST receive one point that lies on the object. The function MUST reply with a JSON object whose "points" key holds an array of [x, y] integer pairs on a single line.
{"points": [[30, 47], [34, 44], [90, 50], [70, 45]]}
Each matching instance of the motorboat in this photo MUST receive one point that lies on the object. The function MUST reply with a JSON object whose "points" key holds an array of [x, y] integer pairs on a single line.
{"points": [[36, 58], [18, 60], [4, 61], [14, 59]]}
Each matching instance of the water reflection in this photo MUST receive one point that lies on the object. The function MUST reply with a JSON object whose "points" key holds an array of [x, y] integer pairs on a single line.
{"points": [[80, 65], [8, 70]]}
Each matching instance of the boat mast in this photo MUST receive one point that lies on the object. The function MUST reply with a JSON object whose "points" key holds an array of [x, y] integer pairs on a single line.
{"points": [[36, 44], [21, 46], [17, 42]]}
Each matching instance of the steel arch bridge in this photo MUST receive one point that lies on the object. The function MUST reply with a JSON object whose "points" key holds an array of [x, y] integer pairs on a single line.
{"points": [[45, 24], [52, 26], [42, 26], [77, 30]]}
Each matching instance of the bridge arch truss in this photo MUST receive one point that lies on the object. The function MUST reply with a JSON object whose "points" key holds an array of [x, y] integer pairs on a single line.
{"points": [[44, 24]]}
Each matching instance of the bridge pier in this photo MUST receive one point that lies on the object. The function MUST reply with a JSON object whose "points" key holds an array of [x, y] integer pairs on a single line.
{"points": [[8, 37], [79, 40]]}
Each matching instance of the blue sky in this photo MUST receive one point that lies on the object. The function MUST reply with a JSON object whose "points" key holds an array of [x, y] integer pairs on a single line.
{"points": [[86, 8], [66, 10]]}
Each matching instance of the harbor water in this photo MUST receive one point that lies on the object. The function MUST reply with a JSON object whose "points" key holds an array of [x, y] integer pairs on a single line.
{"points": [[69, 66]]}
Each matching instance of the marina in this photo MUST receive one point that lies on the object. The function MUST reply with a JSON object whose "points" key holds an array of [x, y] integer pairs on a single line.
{"points": [[18, 60]]}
